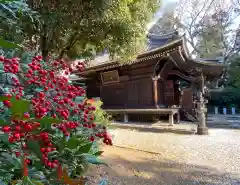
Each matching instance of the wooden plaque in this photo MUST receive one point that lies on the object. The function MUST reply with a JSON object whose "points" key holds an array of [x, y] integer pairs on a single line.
{"points": [[110, 77]]}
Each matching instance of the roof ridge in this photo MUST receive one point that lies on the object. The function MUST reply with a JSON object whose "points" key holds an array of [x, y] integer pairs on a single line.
{"points": [[162, 35]]}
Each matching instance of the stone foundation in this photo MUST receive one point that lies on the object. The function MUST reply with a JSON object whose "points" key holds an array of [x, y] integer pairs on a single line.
{"points": [[202, 130]]}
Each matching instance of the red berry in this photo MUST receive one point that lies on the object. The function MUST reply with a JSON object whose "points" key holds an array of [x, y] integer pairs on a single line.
{"points": [[67, 134], [92, 138], [41, 95], [1, 58], [28, 127], [11, 139], [49, 164], [17, 136], [48, 149], [17, 128], [6, 129], [17, 154], [26, 115], [7, 103], [9, 95]]}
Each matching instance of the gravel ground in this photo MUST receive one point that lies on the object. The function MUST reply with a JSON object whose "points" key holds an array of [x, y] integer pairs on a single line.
{"points": [[180, 159]]}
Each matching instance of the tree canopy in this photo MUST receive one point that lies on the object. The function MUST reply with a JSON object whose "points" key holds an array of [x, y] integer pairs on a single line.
{"points": [[82, 28], [14, 16], [210, 27]]}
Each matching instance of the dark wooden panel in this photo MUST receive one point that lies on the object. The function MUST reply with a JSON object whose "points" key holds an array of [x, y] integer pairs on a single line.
{"points": [[113, 96], [132, 94], [142, 71], [187, 100], [139, 93], [161, 98], [124, 78], [93, 91], [142, 76], [145, 92], [169, 92]]}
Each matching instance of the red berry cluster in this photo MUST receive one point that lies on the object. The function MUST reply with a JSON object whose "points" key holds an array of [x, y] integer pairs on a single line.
{"points": [[18, 129], [106, 137], [47, 147], [67, 127], [56, 99], [21, 131], [10, 65]]}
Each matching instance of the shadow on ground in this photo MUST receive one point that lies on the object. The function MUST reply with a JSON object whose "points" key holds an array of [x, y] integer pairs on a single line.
{"points": [[130, 167], [154, 128]]}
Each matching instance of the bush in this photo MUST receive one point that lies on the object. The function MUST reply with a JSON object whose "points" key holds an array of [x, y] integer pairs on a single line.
{"points": [[225, 98], [47, 137]]}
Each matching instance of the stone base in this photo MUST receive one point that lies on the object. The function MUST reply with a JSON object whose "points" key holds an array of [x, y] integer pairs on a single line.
{"points": [[202, 130]]}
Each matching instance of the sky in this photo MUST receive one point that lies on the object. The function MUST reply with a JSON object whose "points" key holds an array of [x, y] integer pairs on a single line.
{"points": [[158, 14], [168, 2]]}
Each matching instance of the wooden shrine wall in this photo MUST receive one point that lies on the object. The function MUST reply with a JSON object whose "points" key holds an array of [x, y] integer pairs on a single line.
{"points": [[187, 99], [93, 87], [134, 90], [169, 93], [129, 94]]}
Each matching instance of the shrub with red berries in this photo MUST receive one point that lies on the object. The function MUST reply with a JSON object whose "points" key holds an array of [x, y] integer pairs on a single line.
{"points": [[45, 130]]}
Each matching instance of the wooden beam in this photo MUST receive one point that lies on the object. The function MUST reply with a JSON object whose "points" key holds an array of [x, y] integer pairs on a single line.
{"points": [[155, 91]]}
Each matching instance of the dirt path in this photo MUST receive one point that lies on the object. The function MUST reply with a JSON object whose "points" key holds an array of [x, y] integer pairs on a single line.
{"points": [[132, 167]]}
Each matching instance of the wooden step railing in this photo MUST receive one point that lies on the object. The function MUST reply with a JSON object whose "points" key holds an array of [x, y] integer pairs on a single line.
{"points": [[188, 115]]}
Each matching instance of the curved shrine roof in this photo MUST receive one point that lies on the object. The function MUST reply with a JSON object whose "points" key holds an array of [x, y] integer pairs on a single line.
{"points": [[175, 50]]}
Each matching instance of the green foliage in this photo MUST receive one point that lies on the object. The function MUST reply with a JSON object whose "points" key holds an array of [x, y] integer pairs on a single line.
{"points": [[19, 107], [234, 72], [100, 115], [7, 44], [15, 17], [90, 26], [227, 97], [76, 153]]}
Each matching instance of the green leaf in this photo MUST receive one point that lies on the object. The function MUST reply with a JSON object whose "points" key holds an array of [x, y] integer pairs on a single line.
{"points": [[13, 161], [4, 137], [8, 10], [34, 146], [85, 148], [3, 98], [2, 183], [27, 181], [7, 44], [38, 89], [73, 143], [94, 160], [2, 122], [37, 182], [47, 121], [19, 107], [5, 1], [97, 154]]}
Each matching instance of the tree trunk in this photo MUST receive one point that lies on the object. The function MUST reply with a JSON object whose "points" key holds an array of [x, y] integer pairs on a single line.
{"points": [[70, 44], [44, 43]]}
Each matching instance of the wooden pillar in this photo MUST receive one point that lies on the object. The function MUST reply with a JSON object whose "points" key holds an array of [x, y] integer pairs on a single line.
{"points": [[171, 119], [125, 117], [155, 91]]}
